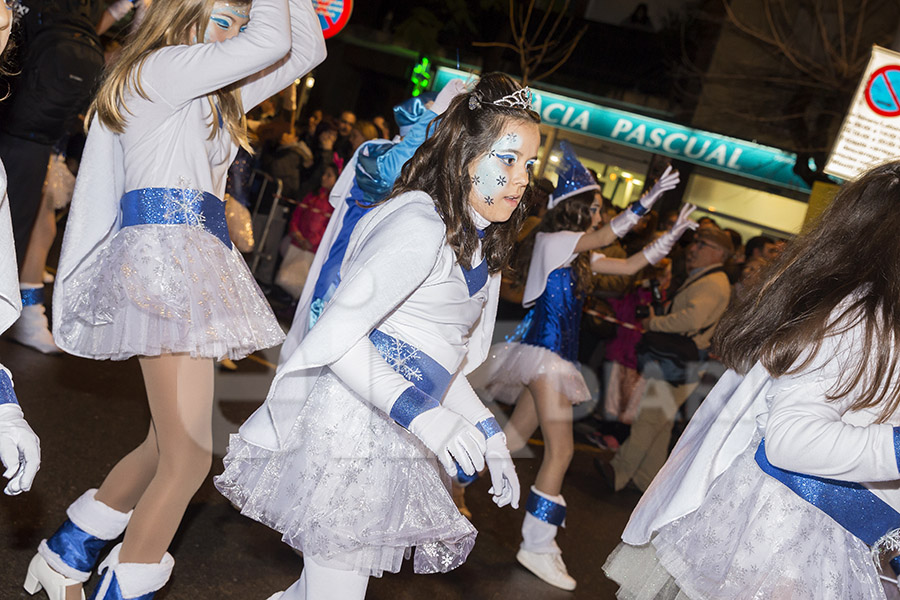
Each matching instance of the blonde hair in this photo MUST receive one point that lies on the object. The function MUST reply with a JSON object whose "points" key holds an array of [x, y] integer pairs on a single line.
{"points": [[168, 23]]}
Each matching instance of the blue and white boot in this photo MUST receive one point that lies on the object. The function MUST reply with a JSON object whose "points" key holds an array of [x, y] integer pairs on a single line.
{"points": [[132, 581], [539, 552], [69, 556]]}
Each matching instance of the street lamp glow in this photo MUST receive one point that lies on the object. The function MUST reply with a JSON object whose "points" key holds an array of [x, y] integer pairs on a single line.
{"points": [[310, 81]]}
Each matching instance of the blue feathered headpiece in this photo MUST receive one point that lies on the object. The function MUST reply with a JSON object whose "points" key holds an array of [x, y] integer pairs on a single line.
{"points": [[572, 177]]}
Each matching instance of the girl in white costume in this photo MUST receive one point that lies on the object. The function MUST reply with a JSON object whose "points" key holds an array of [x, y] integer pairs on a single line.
{"points": [[540, 373], [785, 482], [20, 450], [349, 458], [147, 268]]}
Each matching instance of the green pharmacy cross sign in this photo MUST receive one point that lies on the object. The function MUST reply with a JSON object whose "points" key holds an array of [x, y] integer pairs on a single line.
{"points": [[421, 76], [732, 155]]}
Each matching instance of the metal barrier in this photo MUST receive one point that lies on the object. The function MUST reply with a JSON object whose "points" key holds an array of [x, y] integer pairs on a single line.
{"points": [[265, 209]]}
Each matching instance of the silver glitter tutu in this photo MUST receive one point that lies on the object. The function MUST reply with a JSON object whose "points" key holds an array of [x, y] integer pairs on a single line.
{"points": [[352, 487], [166, 289], [510, 366], [751, 538]]}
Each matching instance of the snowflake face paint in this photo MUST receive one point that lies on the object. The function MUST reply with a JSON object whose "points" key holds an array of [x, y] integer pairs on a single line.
{"points": [[499, 178], [226, 21]]}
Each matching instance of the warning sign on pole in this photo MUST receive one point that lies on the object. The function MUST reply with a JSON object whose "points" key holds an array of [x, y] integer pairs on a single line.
{"points": [[333, 15], [870, 134]]}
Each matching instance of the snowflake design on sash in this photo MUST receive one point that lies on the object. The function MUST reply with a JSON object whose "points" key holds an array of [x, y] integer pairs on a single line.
{"points": [[398, 355], [184, 204]]}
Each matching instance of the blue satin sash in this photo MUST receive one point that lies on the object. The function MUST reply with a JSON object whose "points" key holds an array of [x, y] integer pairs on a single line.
{"points": [[416, 367], [556, 320], [7, 393], [547, 511], [76, 547], [175, 206], [852, 505]]}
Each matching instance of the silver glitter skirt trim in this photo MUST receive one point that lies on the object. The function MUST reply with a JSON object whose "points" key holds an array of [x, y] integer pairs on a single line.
{"points": [[352, 487], [165, 289], [753, 538]]}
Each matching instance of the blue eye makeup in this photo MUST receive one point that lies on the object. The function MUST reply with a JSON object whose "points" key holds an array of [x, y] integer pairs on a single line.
{"points": [[530, 164], [222, 23], [242, 29], [507, 159]]}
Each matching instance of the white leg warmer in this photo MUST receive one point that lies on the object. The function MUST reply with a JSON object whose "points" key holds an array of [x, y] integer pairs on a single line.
{"points": [[320, 582]]}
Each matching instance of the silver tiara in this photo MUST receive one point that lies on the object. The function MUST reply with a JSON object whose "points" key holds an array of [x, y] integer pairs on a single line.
{"points": [[521, 98]]}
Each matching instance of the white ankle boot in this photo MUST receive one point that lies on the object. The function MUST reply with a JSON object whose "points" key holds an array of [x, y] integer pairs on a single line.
{"points": [[539, 552], [32, 328], [41, 577]]}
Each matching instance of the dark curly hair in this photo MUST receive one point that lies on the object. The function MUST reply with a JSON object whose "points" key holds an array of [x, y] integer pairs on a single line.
{"points": [[440, 168], [572, 214]]}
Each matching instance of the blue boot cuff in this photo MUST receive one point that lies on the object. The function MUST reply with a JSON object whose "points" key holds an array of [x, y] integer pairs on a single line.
{"points": [[546, 510]]}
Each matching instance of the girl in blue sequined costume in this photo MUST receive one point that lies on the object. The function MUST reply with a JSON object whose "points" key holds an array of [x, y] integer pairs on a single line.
{"points": [[147, 268], [540, 372], [350, 457]]}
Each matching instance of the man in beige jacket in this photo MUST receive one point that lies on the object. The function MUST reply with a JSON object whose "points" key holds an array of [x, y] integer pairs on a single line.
{"points": [[696, 308]]}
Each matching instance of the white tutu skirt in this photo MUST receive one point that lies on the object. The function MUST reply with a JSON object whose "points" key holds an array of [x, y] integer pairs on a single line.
{"points": [[751, 538], [352, 487], [510, 366], [166, 289]]}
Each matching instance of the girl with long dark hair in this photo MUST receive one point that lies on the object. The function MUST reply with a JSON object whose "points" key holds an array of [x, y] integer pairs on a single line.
{"points": [[540, 372], [147, 268], [370, 415], [785, 483]]}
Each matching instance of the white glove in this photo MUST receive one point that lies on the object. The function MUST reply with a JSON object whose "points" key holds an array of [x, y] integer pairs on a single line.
{"points": [[20, 450], [454, 88], [504, 481], [451, 438], [657, 250], [628, 218]]}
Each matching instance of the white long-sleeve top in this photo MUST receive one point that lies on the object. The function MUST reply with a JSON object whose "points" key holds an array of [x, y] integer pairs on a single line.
{"points": [[166, 140], [399, 276], [165, 143], [10, 301], [804, 432]]}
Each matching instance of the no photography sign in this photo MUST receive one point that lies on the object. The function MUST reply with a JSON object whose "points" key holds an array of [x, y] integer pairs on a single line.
{"points": [[870, 134]]}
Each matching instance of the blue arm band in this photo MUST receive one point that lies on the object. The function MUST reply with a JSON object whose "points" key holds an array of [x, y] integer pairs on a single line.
{"points": [[638, 208], [7, 393], [411, 403], [489, 427]]}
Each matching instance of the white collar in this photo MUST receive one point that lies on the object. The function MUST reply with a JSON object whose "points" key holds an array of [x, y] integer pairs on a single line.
{"points": [[480, 222]]}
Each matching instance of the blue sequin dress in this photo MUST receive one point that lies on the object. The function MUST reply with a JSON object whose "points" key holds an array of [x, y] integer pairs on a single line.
{"points": [[546, 342]]}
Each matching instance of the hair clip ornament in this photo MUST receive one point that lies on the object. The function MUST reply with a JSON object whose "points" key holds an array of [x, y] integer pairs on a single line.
{"points": [[474, 101]]}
